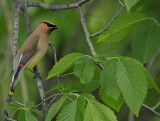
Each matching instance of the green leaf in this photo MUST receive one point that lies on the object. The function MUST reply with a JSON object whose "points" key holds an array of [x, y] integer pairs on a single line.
{"points": [[84, 69], [149, 78], [73, 111], [146, 36], [152, 97], [92, 86], [96, 111], [142, 4], [37, 111], [108, 79], [29, 116], [13, 105], [48, 2], [16, 114], [122, 27], [87, 96], [12, 108], [57, 86], [64, 64], [130, 3], [29, 104], [20, 115], [55, 108], [24, 115], [115, 104], [132, 83]]}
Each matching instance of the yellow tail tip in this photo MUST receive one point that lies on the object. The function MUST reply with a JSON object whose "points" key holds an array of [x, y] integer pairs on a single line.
{"points": [[11, 93]]}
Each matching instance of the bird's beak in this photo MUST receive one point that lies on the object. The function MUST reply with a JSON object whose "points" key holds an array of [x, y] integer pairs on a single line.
{"points": [[56, 27]]}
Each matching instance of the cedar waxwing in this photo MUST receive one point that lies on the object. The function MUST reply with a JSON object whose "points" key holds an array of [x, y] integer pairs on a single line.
{"points": [[32, 50]]}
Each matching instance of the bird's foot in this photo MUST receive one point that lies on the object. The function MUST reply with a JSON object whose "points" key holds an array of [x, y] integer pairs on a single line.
{"points": [[37, 75]]}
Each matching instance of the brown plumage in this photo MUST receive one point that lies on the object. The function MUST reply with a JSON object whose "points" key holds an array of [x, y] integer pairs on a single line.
{"points": [[32, 50]]}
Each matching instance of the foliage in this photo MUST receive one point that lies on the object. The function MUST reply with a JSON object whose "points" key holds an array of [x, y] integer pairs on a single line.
{"points": [[99, 84], [64, 64], [84, 69]]}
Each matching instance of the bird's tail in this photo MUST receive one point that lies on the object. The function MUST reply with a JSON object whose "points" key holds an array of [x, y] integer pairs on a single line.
{"points": [[15, 79]]}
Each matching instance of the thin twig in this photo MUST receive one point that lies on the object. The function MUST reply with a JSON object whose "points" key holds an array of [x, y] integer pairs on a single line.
{"points": [[87, 34], [64, 75], [151, 109], [26, 17], [56, 7], [18, 103], [69, 99], [16, 28], [55, 57], [156, 106], [35, 106], [121, 2], [15, 46], [41, 90], [51, 101], [109, 24], [153, 60], [58, 94], [83, 22], [10, 119], [131, 116]]}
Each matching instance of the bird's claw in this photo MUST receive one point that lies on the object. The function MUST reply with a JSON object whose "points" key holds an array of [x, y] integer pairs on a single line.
{"points": [[37, 75]]}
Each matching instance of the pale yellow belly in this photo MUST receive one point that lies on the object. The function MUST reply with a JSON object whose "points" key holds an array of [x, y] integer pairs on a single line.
{"points": [[36, 58]]}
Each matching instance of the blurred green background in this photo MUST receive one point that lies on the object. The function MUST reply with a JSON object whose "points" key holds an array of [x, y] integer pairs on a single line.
{"points": [[70, 38]]}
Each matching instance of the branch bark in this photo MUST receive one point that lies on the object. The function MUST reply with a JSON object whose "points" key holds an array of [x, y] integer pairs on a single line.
{"points": [[15, 46], [151, 109], [110, 23], [55, 57], [56, 7], [41, 90], [16, 28], [83, 22]]}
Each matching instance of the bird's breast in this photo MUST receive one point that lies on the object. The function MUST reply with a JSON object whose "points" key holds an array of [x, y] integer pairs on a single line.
{"points": [[41, 50]]}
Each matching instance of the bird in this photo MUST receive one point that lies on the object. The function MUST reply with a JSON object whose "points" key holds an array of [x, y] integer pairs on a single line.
{"points": [[32, 50]]}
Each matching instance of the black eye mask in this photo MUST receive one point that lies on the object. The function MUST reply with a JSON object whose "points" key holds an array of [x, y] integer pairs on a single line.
{"points": [[51, 25]]}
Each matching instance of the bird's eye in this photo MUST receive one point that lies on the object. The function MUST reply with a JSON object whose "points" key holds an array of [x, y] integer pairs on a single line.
{"points": [[50, 25]]}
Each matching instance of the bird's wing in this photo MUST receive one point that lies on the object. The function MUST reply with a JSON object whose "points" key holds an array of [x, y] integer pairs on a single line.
{"points": [[25, 54], [28, 51]]}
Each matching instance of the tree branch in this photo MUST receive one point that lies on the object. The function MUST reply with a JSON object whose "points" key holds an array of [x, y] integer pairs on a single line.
{"points": [[109, 24], [87, 34], [41, 90], [55, 57], [10, 119], [56, 7], [151, 109], [64, 75], [18, 103], [83, 22], [15, 46], [58, 94], [16, 28], [156, 106], [26, 17]]}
